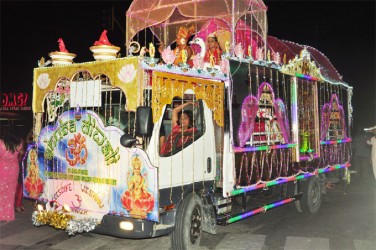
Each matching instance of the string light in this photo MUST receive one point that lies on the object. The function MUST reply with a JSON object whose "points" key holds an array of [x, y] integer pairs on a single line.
{"points": [[261, 209], [336, 141], [306, 158], [297, 177], [294, 113], [306, 77], [263, 148]]}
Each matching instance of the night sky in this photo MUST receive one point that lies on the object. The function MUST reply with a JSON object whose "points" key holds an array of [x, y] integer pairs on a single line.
{"points": [[342, 30]]}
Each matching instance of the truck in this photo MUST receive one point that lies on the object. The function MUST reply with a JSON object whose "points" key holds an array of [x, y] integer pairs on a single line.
{"points": [[271, 121]]}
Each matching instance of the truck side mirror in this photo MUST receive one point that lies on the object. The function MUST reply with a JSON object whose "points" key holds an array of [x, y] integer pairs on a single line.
{"points": [[144, 121], [127, 140]]}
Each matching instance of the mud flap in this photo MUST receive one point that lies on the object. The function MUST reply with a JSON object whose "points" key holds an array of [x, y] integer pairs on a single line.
{"points": [[209, 223], [322, 179]]}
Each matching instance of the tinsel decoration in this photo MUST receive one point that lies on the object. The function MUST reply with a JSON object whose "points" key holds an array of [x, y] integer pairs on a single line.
{"points": [[80, 226], [39, 218], [61, 219], [56, 219]]}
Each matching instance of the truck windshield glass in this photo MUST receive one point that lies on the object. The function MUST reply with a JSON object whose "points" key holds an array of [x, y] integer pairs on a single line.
{"points": [[182, 124]]}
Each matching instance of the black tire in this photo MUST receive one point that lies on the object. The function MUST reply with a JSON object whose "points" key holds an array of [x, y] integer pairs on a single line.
{"points": [[188, 223], [312, 196]]}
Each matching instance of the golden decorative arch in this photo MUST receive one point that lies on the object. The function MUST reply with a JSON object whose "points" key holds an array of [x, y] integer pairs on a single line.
{"points": [[166, 86], [303, 65], [124, 73]]}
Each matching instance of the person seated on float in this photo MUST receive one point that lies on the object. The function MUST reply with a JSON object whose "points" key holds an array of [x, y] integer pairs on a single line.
{"points": [[213, 51], [182, 129]]}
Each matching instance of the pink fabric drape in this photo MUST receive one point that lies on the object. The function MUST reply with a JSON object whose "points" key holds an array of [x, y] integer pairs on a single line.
{"points": [[8, 182]]}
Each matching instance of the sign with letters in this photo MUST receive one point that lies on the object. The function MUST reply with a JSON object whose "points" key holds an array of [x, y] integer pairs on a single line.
{"points": [[80, 162], [14, 101]]}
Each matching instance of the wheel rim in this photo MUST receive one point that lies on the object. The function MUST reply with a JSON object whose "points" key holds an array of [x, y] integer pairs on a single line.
{"points": [[196, 219], [315, 193]]}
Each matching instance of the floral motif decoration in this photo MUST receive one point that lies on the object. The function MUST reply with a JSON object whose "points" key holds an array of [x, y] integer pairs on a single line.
{"points": [[239, 51], [43, 80], [198, 62], [127, 73], [260, 54], [57, 98], [168, 56], [225, 66]]}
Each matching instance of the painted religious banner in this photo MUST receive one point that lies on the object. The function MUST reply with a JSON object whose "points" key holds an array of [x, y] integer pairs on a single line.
{"points": [[79, 162]]}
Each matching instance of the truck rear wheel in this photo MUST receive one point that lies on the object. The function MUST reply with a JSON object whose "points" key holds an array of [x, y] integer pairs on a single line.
{"points": [[311, 199], [188, 224]]}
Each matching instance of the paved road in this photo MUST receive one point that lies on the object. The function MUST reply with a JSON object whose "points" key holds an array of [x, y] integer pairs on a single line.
{"points": [[345, 221]]}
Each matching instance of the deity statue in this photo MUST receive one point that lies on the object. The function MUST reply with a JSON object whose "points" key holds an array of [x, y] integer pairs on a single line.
{"points": [[267, 128], [305, 142], [137, 200], [336, 124], [33, 183], [182, 38]]}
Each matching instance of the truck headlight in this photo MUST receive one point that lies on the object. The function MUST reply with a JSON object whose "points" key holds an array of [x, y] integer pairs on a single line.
{"points": [[126, 225]]}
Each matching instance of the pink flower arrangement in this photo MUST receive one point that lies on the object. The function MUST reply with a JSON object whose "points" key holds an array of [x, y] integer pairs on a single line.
{"points": [[168, 56], [239, 51], [277, 58], [225, 66], [260, 54], [198, 62]]}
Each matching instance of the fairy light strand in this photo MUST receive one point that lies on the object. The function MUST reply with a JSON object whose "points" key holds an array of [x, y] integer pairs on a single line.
{"points": [[297, 177], [262, 209]]}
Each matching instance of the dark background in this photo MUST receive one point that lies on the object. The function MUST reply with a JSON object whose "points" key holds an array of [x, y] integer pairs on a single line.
{"points": [[342, 30]]}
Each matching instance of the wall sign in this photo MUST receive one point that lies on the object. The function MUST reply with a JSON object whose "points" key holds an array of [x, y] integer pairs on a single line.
{"points": [[14, 101]]}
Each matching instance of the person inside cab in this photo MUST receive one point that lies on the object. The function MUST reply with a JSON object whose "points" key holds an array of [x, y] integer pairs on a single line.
{"points": [[182, 129]]}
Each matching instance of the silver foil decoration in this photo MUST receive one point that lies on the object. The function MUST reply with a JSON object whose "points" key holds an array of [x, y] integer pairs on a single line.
{"points": [[34, 219], [80, 226]]}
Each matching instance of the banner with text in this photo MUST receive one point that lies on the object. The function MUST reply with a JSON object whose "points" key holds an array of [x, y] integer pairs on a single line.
{"points": [[80, 162]]}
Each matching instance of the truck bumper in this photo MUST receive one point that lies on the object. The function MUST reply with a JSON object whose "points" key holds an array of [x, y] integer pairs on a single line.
{"points": [[114, 226]]}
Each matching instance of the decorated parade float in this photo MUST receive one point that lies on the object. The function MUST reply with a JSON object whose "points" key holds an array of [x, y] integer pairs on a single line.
{"points": [[267, 118]]}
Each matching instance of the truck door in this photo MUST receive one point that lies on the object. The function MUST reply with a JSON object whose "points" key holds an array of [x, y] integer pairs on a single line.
{"points": [[186, 156]]}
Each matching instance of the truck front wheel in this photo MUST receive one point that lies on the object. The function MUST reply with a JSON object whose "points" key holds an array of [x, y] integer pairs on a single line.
{"points": [[312, 196], [188, 223]]}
